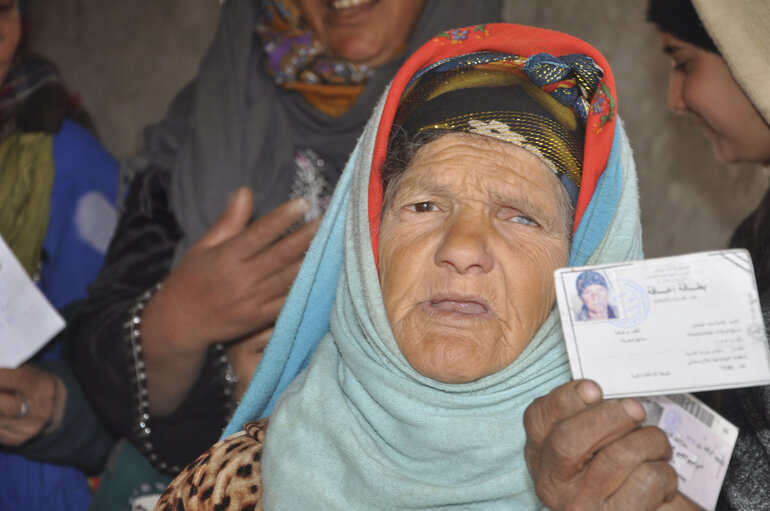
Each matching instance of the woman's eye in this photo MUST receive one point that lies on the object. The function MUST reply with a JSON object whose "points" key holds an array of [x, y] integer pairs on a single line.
{"points": [[682, 66], [516, 216], [423, 207], [525, 220]]}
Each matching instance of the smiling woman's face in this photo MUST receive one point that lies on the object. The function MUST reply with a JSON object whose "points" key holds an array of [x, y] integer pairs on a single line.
{"points": [[468, 246], [368, 32], [701, 84]]}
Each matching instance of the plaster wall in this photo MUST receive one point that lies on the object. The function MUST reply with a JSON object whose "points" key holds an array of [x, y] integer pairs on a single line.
{"points": [[127, 59]]}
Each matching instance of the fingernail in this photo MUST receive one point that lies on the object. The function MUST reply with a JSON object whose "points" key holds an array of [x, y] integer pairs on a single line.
{"points": [[633, 408], [302, 204], [589, 391]]}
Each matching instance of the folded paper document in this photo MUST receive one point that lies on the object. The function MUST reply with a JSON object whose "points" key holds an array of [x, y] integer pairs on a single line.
{"points": [[27, 320]]}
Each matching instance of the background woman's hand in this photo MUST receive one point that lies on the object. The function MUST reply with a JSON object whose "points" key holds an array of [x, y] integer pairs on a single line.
{"points": [[587, 453], [45, 397], [230, 285], [234, 280]]}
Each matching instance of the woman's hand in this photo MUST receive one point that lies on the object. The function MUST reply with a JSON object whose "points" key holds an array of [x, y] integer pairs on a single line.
{"points": [[587, 453], [234, 280], [40, 395], [231, 284]]}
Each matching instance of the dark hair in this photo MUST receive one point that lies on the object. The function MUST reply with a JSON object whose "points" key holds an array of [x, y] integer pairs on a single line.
{"points": [[680, 19]]}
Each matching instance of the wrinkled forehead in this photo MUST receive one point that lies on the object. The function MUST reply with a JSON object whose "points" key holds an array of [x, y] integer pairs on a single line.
{"points": [[467, 167], [475, 157]]}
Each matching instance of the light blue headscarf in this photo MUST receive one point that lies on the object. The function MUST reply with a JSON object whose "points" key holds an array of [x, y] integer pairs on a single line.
{"points": [[359, 428]]}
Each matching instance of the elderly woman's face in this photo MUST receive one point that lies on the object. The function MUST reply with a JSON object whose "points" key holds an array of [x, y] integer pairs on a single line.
{"points": [[468, 246], [595, 298], [369, 32]]}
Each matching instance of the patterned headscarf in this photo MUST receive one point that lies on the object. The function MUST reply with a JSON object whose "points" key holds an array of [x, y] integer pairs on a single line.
{"points": [[544, 71], [297, 60], [295, 55], [540, 103]]}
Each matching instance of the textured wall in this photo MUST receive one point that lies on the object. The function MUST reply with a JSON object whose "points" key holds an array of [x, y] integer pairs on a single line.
{"points": [[125, 58], [128, 58]]}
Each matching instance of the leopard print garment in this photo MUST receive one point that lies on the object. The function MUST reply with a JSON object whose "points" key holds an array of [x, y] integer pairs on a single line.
{"points": [[226, 477]]}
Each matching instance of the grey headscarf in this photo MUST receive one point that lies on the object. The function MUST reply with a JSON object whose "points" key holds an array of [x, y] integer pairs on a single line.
{"points": [[233, 126]]}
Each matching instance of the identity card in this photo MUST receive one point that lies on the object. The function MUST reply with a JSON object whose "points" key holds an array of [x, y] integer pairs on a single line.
{"points": [[701, 441], [665, 326]]}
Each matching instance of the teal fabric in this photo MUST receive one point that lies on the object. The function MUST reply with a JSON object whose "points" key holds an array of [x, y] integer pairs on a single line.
{"points": [[610, 229], [377, 434], [304, 320], [129, 483]]}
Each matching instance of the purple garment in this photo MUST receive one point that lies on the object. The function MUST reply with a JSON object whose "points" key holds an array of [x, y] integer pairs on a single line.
{"points": [[31, 485]]}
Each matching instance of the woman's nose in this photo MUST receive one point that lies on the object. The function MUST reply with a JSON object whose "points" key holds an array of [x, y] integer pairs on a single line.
{"points": [[466, 244], [675, 98]]}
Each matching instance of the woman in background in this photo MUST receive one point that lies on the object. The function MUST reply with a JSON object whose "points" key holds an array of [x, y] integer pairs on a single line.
{"points": [[58, 189], [721, 56]]}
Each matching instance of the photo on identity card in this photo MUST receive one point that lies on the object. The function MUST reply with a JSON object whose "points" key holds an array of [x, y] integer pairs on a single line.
{"points": [[593, 296]]}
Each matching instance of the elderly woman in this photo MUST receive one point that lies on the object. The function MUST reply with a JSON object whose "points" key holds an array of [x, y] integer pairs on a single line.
{"points": [[495, 158]]}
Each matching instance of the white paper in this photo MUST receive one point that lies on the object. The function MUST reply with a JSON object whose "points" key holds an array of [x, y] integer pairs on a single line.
{"points": [[27, 320], [681, 324], [702, 443]]}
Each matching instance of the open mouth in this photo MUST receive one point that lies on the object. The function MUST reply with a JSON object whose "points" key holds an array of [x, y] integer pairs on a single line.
{"points": [[466, 307], [345, 6]]}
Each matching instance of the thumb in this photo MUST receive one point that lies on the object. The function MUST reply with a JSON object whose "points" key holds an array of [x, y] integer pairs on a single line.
{"points": [[233, 220]]}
